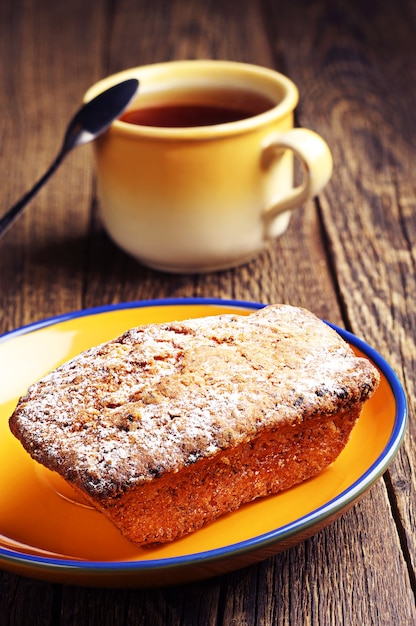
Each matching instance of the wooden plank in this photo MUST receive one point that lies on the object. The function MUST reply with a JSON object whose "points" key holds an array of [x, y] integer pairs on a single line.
{"points": [[47, 70], [22, 597], [49, 57], [353, 91], [191, 604]]}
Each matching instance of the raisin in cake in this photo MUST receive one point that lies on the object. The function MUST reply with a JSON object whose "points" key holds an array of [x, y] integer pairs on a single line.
{"points": [[171, 425]]}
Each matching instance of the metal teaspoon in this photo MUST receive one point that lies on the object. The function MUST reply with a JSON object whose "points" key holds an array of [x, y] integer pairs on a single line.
{"points": [[91, 120]]}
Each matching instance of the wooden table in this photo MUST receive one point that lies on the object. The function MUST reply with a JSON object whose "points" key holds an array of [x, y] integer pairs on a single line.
{"points": [[349, 256]]}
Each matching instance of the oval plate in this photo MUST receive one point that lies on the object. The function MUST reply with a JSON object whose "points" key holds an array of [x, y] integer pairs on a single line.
{"points": [[46, 532]]}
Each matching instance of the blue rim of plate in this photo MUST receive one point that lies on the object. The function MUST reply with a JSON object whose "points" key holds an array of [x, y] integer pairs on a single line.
{"points": [[333, 506]]}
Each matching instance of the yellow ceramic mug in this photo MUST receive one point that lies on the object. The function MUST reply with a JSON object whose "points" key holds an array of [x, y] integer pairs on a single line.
{"points": [[204, 196]]}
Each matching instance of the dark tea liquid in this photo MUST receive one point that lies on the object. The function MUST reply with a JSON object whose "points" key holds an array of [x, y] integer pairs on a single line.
{"points": [[188, 114]]}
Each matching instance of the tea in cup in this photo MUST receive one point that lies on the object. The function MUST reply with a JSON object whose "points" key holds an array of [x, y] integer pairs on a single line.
{"points": [[197, 175]]}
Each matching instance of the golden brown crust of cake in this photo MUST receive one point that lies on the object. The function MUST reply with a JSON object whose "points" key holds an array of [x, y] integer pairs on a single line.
{"points": [[190, 419], [177, 504]]}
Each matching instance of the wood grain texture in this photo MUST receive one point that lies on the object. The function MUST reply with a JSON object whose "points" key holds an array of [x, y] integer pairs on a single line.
{"points": [[368, 210], [350, 257], [52, 58]]}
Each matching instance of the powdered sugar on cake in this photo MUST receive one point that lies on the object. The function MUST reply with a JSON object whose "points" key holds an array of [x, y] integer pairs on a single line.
{"points": [[163, 396]]}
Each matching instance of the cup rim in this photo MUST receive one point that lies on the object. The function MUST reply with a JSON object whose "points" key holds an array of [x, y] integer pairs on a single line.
{"points": [[244, 70]]}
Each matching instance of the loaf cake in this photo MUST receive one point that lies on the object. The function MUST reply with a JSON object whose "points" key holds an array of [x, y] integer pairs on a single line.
{"points": [[171, 425]]}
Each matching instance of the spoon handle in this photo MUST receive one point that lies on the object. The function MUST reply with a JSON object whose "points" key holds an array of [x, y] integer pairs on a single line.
{"points": [[9, 217], [92, 119]]}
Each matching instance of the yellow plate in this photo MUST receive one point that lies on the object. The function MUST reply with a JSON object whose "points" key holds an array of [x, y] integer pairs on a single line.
{"points": [[46, 532]]}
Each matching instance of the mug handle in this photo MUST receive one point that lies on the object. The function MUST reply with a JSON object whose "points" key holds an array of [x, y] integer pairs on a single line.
{"points": [[315, 156]]}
